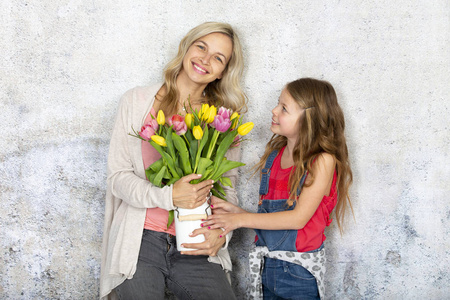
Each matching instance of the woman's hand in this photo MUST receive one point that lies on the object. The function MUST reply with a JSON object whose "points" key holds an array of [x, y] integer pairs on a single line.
{"points": [[186, 195], [220, 206], [214, 240]]}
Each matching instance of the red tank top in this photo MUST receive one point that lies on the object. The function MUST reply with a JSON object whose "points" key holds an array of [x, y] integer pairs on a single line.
{"points": [[312, 235]]}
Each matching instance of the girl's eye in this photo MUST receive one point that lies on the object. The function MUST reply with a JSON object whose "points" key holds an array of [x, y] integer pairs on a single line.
{"points": [[284, 108]]}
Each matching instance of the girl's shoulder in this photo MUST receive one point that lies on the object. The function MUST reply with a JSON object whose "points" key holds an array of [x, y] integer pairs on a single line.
{"points": [[325, 161]]}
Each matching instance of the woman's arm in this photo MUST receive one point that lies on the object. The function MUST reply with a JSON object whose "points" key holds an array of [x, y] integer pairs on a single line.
{"points": [[297, 218]]}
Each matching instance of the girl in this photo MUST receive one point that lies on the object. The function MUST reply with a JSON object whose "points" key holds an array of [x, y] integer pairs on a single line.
{"points": [[305, 174], [139, 254]]}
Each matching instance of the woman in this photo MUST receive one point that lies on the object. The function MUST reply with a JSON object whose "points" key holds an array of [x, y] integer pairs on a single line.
{"points": [[139, 255]]}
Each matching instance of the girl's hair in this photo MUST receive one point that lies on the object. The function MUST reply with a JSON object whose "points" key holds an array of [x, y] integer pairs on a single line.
{"points": [[320, 129], [226, 91]]}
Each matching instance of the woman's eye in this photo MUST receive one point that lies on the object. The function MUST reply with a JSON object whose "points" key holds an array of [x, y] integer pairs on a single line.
{"points": [[201, 47], [219, 59]]}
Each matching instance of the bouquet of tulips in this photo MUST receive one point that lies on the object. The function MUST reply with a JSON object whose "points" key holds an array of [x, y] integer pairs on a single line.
{"points": [[196, 143]]}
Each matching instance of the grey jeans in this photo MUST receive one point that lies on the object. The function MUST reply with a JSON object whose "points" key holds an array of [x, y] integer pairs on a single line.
{"points": [[160, 265]]}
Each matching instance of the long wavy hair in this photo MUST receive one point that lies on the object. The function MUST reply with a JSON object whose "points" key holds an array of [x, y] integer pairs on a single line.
{"points": [[226, 91], [320, 129]]}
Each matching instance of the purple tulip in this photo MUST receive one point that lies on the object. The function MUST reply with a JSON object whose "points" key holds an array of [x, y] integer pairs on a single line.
{"points": [[225, 113], [220, 123]]}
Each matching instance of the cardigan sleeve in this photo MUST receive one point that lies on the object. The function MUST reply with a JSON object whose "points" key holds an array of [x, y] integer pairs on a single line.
{"points": [[123, 179]]}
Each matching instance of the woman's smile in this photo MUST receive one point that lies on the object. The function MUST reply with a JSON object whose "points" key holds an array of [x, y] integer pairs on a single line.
{"points": [[199, 69]]}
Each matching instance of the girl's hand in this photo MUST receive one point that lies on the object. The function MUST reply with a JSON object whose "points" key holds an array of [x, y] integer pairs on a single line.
{"points": [[228, 222], [186, 195], [220, 206], [214, 240]]}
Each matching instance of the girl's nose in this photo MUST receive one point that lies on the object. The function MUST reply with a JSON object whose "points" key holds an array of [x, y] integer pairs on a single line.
{"points": [[274, 110]]}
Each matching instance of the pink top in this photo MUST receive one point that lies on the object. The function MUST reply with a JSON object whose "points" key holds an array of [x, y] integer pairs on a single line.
{"points": [[156, 218]]}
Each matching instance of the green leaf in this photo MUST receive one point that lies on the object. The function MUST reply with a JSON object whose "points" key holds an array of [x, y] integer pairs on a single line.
{"points": [[219, 188], [212, 138], [223, 148], [203, 164], [151, 177], [189, 136], [167, 160], [183, 153], [159, 176], [169, 143], [218, 195], [224, 167], [193, 151], [172, 180], [157, 165], [225, 181], [171, 217], [208, 172], [200, 147]]}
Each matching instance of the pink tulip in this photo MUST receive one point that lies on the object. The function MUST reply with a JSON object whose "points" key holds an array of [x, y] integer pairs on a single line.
{"points": [[148, 129], [178, 123], [153, 113], [236, 142], [220, 123], [225, 113]]}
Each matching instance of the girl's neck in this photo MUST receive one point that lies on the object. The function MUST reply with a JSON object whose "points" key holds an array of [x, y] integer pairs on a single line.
{"points": [[287, 159]]}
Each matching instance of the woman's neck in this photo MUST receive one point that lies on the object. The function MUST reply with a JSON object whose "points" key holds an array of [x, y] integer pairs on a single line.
{"points": [[189, 90]]}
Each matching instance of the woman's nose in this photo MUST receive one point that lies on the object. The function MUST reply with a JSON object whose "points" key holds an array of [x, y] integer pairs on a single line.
{"points": [[205, 59]]}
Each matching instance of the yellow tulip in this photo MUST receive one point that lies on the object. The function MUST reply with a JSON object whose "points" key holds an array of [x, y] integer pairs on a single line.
{"points": [[159, 140], [234, 116], [205, 107], [210, 114], [245, 128], [188, 120], [161, 119], [197, 132]]}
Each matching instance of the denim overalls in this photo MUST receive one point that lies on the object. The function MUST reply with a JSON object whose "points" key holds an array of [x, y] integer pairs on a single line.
{"points": [[278, 246]]}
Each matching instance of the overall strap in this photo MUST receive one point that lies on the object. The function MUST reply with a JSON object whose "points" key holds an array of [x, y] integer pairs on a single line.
{"points": [[265, 173]]}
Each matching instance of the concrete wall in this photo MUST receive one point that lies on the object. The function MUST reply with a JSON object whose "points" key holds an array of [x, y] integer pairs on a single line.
{"points": [[64, 64]]}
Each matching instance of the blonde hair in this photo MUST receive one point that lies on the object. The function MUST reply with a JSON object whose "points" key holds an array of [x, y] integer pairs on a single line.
{"points": [[226, 91], [320, 129]]}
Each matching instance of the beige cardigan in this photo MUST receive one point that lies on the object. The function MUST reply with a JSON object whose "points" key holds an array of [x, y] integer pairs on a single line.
{"points": [[129, 194]]}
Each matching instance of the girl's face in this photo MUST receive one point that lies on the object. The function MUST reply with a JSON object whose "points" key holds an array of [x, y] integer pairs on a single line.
{"points": [[207, 58], [285, 116]]}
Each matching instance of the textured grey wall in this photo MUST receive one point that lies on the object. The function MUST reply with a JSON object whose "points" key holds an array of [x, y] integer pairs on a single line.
{"points": [[64, 65]]}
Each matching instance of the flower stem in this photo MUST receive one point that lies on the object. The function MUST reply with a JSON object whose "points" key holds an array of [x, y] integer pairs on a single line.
{"points": [[212, 144]]}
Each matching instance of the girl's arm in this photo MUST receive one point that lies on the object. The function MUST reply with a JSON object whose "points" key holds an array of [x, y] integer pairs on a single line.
{"points": [[297, 218]]}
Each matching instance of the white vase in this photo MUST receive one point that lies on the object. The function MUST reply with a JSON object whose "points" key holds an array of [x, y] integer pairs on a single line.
{"points": [[186, 221]]}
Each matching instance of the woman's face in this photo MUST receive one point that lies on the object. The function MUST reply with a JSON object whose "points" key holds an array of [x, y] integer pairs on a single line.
{"points": [[207, 58]]}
